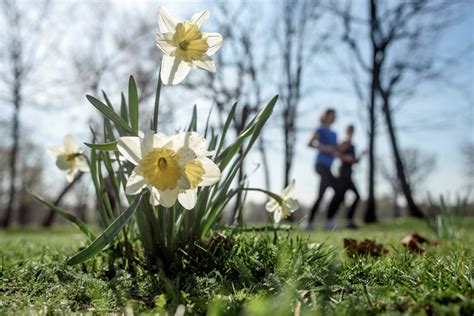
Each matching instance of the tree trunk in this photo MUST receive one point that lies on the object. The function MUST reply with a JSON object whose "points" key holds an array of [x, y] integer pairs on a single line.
{"points": [[13, 155], [49, 219], [370, 212], [404, 185]]}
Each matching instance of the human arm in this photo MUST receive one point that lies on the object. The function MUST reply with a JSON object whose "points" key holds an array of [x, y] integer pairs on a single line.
{"points": [[314, 143]]}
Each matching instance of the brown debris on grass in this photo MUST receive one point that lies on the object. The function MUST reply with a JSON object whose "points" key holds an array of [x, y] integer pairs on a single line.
{"points": [[414, 241], [365, 247]]}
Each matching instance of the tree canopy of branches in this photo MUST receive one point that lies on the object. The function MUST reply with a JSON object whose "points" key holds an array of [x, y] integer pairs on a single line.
{"points": [[401, 36]]}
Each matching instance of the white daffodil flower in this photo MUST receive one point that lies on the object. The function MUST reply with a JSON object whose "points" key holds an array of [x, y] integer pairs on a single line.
{"points": [[69, 157], [289, 204], [184, 46], [171, 167]]}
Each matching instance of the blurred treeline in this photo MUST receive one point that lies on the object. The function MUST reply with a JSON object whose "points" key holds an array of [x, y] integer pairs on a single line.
{"points": [[53, 52]]}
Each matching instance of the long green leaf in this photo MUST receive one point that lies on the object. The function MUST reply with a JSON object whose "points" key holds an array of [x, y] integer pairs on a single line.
{"points": [[71, 218], [193, 124], [133, 104], [253, 129], [110, 114], [123, 108], [104, 146], [157, 103], [107, 236], [226, 128]]}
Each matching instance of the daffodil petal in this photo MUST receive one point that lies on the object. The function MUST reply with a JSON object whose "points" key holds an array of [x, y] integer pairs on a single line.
{"points": [[146, 145], [188, 199], [160, 140], [62, 163], [81, 164], [55, 151], [200, 18], [154, 196], [135, 182], [173, 70], [168, 197], [70, 145], [166, 20], [214, 40], [289, 190], [292, 204], [277, 216], [71, 173], [130, 148], [271, 205], [163, 41], [205, 65], [212, 173]]}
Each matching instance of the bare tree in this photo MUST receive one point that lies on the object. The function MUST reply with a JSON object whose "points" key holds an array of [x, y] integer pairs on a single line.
{"points": [[418, 167], [299, 42], [401, 37], [22, 35]]}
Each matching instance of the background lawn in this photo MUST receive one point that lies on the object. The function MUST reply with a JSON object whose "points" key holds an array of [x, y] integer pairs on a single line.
{"points": [[440, 281]]}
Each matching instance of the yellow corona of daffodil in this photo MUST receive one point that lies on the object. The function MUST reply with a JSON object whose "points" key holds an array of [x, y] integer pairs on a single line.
{"points": [[289, 204], [171, 167], [69, 157], [184, 46]]}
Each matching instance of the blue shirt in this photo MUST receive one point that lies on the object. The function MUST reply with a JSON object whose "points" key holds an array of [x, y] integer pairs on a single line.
{"points": [[328, 138]]}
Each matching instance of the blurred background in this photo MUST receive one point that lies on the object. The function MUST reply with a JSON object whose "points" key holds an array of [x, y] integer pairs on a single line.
{"points": [[402, 72]]}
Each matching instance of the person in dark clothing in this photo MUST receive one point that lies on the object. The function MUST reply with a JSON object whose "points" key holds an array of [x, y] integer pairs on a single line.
{"points": [[325, 140], [344, 180]]}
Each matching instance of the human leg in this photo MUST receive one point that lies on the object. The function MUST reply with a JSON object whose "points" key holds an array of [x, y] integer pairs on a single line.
{"points": [[352, 208], [326, 180]]}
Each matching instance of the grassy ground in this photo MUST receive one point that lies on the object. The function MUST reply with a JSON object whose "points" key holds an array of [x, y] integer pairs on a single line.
{"points": [[304, 271]]}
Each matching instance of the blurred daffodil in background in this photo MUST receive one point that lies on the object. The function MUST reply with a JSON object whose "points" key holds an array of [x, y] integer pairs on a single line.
{"points": [[184, 46], [288, 204], [69, 157], [171, 167]]}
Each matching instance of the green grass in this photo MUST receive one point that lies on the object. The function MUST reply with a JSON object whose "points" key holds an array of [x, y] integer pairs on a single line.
{"points": [[247, 274]]}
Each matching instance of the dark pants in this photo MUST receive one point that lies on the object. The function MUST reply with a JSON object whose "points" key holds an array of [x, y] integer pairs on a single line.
{"points": [[327, 180], [344, 184]]}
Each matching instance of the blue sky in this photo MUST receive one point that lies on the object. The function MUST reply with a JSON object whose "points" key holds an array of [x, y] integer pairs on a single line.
{"points": [[434, 103]]}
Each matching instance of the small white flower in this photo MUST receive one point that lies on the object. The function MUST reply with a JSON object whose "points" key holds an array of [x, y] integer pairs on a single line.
{"points": [[184, 46], [69, 157], [288, 205], [171, 167]]}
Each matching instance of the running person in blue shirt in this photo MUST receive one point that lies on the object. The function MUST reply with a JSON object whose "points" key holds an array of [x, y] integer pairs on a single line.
{"points": [[325, 140]]}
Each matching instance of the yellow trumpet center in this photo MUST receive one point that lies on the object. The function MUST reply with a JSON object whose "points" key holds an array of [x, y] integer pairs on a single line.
{"points": [[71, 157], [191, 44], [161, 168], [194, 171]]}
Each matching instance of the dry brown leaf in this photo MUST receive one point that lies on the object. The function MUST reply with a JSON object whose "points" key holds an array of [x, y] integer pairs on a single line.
{"points": [[413, 242], [365, 247]]}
